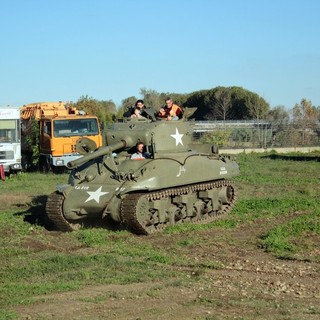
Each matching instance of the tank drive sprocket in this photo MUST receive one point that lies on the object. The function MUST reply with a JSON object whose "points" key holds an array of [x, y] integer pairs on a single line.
{"points": [[146, 213]]}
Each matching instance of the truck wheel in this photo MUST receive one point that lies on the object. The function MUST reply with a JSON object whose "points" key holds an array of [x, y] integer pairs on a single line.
{"points": [[58, 170]]}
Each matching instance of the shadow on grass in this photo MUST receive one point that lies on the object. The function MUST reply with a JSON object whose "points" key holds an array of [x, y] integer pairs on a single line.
{"points": [[293, 157], [36, 215]]}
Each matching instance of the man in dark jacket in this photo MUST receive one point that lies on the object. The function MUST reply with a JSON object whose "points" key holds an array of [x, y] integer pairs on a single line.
{"points": [[138, 111]]}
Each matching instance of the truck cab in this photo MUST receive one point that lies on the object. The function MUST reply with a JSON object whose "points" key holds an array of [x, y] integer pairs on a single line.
{"points": [[10, 141]]}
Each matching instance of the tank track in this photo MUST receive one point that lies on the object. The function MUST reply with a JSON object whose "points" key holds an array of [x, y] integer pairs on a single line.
{"points": [[55, 215], [141, 222]]}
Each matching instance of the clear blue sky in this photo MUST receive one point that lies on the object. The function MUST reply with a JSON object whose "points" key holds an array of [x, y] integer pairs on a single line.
{"points": [[110, 49]]}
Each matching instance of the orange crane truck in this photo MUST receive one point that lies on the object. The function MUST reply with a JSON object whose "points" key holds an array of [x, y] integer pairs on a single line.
{"points": [[58, 130]]}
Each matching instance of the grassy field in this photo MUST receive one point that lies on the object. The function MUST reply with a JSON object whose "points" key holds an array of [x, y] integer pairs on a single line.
{"points": [[278, 195]]}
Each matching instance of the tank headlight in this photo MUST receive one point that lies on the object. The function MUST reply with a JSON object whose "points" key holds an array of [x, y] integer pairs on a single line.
{"points": [[89, 177]]}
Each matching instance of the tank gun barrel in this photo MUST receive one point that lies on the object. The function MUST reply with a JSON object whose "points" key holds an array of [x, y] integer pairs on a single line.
{"points": [[124, 143]]}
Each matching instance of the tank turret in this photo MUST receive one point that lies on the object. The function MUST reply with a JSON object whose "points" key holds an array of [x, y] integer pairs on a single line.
{"points": [[181, 181]]}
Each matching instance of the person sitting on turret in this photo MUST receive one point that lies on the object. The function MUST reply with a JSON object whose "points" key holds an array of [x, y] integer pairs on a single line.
{"points": [[170, 111], [138, 111], [140, 154]]}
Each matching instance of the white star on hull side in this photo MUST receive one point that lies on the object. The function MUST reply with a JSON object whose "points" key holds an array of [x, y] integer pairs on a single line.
{"points": [[95, 195]]}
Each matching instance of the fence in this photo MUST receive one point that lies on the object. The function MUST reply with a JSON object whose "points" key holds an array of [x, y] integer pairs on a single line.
{"points": [[256, 134]]}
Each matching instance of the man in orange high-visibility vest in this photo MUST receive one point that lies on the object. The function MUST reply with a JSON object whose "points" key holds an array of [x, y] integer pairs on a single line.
{"points": [[170, 111]]}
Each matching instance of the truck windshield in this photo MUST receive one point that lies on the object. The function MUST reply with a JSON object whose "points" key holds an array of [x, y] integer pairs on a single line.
{"points": [[9, 131], [75, 127]]}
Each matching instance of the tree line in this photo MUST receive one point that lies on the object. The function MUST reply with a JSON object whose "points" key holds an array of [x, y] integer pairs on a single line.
{"points": [[220, 103]]}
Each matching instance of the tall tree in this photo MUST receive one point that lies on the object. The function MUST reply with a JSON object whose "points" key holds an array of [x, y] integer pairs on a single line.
{"points": [[257, 108], [104, 110], [243, 105], [151, 98], [305, 118], [278, 115], [223, 104], [304, 113]]}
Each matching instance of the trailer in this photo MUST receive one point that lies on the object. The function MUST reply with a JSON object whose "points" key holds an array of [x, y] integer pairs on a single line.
{"points": [[10, 141]]}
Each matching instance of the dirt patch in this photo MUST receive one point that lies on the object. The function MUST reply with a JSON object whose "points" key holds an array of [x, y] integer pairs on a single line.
{"points": [[247, 283], [9, 201], [55, 241]]}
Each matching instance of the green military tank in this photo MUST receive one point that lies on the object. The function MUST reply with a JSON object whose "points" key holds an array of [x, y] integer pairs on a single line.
{"points": [[180, 182]]}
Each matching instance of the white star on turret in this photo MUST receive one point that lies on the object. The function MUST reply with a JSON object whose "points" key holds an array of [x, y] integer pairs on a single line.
{"points": [[95, 195], [178, 137]]}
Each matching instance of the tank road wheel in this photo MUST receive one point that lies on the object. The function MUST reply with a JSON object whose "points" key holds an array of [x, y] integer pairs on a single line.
{"points": [[145, 213], [55, 215], [200, 211]]}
